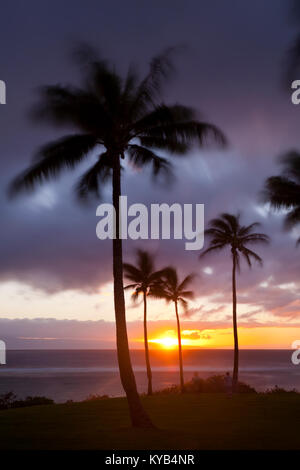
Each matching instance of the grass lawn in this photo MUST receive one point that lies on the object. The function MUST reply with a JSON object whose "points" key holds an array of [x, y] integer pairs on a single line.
{"points": [[192, 421]]}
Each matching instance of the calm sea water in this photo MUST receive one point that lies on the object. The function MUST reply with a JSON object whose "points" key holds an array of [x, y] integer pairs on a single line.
{"points": [[75, 374]]}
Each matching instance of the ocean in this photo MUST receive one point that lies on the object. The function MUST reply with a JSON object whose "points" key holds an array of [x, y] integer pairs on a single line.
{"points": [[75, 374]]}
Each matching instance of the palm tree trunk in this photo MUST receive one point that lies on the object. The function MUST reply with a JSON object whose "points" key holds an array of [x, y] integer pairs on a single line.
{"points": [[138, 415], [235, 330], [149, 373], [179, 350]]}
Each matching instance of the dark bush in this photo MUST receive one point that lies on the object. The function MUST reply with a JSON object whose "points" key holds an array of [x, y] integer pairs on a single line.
{"points": [[213, 384], [10, 400], [278, 390], [7, 399], [95, 397], [32, 401]]}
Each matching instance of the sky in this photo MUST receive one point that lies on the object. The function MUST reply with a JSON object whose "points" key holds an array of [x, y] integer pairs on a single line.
{"points": [[55, 275]]}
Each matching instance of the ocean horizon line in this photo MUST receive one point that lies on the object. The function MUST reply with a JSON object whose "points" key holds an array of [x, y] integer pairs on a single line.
{"points": [[154, 349]]}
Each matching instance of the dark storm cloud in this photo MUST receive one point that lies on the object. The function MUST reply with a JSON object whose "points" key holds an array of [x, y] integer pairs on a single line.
{"points": [[231, 71]]}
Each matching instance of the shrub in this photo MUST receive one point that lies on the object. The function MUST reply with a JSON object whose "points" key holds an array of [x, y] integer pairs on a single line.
{"points": [[10, 400], [95, 397], [32, 401], [278, 390], [213, 384], [6, 400]]}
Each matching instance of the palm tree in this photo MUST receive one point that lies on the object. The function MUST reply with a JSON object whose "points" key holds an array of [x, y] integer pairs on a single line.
{"points": [[144, 278], [283, 192], [116, 118], [174, 291], [226, 231]]}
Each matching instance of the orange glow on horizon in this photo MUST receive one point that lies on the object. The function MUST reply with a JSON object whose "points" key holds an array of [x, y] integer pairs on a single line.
{"points": [[166, 340], [249, 338], [169, 339]]}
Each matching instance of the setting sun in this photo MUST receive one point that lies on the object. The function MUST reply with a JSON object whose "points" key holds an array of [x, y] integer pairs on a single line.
{"points": [[169, 340], [166, 342]]}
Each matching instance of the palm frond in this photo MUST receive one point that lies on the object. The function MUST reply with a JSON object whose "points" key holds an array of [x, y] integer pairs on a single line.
{"points": [[163, 115], [158, 291], [246, 230], [251, 254], [281, 192], [171, 278], [88, 184], [69, 105], [218, 225], [169, 145], [291, 165], [183, 303], [132, 273], [293, 217], [212, 248], [255, 238], [141, 156], [160, 69], [188, 133], [233, 221], [106, 85], [186, 281], [188, 294], [145, 262], [51, 159], [156, 277], [135, 295], [130, 286]]}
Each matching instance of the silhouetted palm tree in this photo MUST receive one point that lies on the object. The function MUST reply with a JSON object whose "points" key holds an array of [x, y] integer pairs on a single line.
{"points": [[283, 192], [116, 118], [174, 291], [144, 278], [226, 231]]}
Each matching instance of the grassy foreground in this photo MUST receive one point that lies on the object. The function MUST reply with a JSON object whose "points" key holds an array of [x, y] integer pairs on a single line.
{"points": [[193, 421]]}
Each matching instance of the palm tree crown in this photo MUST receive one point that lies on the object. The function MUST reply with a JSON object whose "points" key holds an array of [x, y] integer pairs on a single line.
{"points": [[226, 230], [283, 192], [172, 290], [117, 118], [143, 275]]}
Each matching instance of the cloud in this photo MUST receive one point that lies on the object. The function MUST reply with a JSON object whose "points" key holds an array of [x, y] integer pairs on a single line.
{"points": [[194, 335], [49, 242], [51, 333]]}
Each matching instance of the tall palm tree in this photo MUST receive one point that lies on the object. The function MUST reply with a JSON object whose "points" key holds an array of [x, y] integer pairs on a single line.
{"points": [[174, 291], [226, 231], [143, 278], [283, 192], [116, 118]]}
